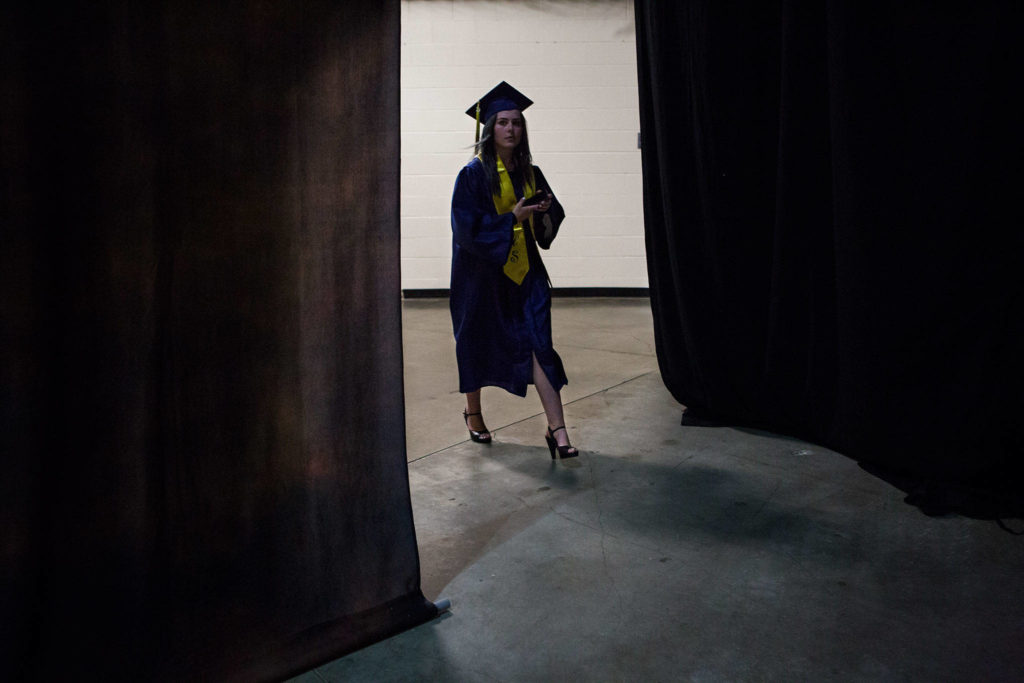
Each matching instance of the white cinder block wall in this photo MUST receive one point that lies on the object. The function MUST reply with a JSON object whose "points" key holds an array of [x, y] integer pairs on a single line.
{"points": [[576, 59]]}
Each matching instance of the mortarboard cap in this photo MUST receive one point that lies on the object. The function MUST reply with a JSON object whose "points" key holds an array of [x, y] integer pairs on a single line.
{"points": [[502, 97]]}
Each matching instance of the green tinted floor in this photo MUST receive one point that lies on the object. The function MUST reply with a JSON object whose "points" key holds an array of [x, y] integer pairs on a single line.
{"points": [[669, 553]]}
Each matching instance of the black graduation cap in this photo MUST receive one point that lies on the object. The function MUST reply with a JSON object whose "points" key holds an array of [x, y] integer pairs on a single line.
{"points": [[502, 97]]}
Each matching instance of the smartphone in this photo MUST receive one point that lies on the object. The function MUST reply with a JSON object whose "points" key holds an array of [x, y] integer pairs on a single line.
{"points": [[536, 199]]}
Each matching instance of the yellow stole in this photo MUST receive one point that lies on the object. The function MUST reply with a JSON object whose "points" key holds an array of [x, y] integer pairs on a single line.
{"points": [[518, 263]]}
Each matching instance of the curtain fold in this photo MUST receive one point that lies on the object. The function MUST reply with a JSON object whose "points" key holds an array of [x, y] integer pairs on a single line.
{"points": [[829, 190], [203, 420]]}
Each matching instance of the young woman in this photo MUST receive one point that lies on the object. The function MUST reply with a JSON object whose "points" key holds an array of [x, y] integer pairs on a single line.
{"points": [[502, 210]]}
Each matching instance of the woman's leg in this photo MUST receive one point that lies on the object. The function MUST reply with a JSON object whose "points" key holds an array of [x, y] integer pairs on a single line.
{"points": [[476, 422], [551, 399]]}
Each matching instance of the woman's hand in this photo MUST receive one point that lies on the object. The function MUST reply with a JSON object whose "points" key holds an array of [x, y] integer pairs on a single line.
{"points": [[523, 212]]}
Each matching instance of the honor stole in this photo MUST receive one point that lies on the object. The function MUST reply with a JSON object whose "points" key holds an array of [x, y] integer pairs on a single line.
{"points": [[518, 263]]}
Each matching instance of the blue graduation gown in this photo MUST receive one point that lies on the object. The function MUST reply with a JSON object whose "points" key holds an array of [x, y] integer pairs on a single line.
{"points": [[498, 324]]}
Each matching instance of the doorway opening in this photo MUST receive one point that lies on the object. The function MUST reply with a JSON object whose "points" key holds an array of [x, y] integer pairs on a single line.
{"points": [[578, 65]]}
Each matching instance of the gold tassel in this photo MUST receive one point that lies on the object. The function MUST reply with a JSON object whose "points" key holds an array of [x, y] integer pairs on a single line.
{"points": [[478, 121]]}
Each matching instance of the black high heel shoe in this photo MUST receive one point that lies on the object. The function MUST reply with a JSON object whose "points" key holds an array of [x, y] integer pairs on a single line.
{"points": [[483, 436], [563, 451]]}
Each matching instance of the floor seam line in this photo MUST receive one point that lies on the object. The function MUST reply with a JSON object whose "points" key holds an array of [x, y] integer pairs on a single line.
{"points": [[510, 424], [599, 350]]}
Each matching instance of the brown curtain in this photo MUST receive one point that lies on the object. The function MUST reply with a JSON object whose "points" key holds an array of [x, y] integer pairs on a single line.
{"points": [[202, 410]]}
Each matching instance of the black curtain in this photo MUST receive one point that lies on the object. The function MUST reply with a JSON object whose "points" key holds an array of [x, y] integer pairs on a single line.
{"points": [[831, 193], [202, 422]]}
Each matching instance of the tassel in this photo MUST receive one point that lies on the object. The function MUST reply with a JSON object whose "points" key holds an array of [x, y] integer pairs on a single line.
{"points": [[478, 122]]}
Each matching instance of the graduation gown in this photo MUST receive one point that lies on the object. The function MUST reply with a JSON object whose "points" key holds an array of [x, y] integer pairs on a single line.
{"points": [[498, 324]]}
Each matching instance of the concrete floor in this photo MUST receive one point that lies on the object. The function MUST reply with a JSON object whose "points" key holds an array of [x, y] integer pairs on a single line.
{"points": [[669, 553]]}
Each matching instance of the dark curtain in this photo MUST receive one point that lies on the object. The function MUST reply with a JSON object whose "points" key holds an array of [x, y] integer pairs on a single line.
{"points": [[202, 422], [831, 193]]}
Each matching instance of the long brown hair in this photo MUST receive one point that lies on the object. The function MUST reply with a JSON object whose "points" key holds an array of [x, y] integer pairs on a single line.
{"points": [[520, 155]]}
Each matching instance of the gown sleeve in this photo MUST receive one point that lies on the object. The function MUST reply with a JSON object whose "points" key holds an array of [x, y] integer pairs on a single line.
{"points": [[545, 225], [476, 226]]}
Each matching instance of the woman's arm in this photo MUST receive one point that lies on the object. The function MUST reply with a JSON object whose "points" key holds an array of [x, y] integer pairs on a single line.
{"points": [[545, 225], [476, 226]]}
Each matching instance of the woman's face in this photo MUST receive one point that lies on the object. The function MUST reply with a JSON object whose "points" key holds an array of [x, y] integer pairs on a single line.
{"points": [[508, 131]]}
